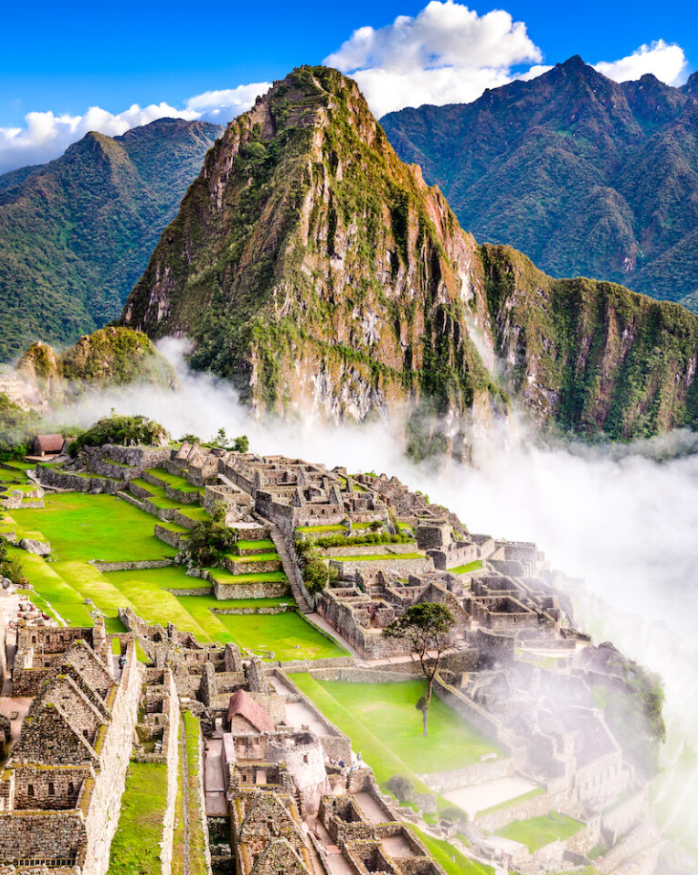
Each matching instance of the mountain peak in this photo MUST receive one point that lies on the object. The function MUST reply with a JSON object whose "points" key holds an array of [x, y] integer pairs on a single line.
{"points": [[574, 63]]}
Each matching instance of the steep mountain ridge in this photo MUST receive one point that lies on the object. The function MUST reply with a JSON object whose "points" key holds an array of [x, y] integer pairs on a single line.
{"points": [[585, 175], [308, 261], [76, 233], [318, 272]]}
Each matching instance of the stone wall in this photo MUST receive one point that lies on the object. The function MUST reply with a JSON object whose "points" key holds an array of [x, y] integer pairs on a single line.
{"points": [[105, 804], [172, 754], [59, 479], [622, 818], [480, 718], [468, 776], [257, 590], [141, 565], [36, 836], [389, 565]]}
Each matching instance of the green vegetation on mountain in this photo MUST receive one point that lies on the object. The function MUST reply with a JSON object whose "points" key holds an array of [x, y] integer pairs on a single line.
{"points": [[585, 175], [307, 255], [112, 356], [75, 234], [314, 269]]}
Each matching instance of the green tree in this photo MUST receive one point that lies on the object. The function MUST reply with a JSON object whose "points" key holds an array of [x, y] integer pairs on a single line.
{"points": [[426, 627], [211, 539], [122, 430], [241, 444]]}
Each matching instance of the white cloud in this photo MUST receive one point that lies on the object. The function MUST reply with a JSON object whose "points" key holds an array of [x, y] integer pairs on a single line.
{"points": [[47, 135], [445, 54], [448, 53], [666, 61], [220, 106]]}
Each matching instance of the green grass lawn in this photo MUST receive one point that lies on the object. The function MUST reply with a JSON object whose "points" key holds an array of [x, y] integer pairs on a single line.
{"points": [[463, 569], [135, 849], [536, 832], [83, 527], [384, 724], [287, 634], [197, 838], [198, 514], [306, 530]]}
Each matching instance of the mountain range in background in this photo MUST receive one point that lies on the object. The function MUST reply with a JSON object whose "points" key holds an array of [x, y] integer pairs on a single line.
{"points": [[314, 269], [586, 176], [76, 234]]}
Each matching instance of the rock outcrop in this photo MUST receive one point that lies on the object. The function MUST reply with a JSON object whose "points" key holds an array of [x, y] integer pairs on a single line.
{"points": [[313, 268]]}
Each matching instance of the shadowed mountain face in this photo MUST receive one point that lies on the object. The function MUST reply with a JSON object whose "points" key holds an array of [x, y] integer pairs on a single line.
{"points": [[315, 270], [584, 175], [75, 234]]}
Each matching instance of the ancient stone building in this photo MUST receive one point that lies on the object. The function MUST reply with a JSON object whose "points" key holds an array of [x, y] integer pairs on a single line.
{"points": [[60, 791]]}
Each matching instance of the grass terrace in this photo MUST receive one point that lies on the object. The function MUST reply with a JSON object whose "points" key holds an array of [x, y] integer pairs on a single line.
{"points": [[310, 530], [383, 723], [536, 832], [135, 849], [174, 480], [378, 557], [255, 557], [82, 527], [287, 634], [196, 863], [261, 544], [464, 569]]}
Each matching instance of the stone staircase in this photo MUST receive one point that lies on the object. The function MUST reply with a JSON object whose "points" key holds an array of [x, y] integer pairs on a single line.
{"points": [[290, 569]]}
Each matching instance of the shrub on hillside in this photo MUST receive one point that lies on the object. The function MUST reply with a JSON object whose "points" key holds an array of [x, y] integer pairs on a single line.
{"points": [[361, 540], [122, 430], [211, 539]]}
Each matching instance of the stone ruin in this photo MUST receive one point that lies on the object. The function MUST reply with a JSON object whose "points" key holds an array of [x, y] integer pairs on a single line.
{"points": [[60, 789]]}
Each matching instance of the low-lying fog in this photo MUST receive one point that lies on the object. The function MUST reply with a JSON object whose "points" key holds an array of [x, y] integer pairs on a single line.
{"points": [[626, 522]]}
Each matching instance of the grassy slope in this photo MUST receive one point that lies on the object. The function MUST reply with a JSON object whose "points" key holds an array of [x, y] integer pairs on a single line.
{"points": [[135, 849], [82, 527]]}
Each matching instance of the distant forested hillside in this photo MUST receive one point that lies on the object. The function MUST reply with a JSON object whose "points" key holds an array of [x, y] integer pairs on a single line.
{"points": [[586, 176], [76, 234]]}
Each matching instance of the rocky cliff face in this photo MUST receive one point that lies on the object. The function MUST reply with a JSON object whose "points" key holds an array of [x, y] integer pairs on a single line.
{"points": [[317, 271], [312, 267]]}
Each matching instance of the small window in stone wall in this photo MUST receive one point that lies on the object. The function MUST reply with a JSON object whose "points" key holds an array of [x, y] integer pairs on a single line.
{"points": [[305, 758], [71, 788], [51, 789], [30, 789]]}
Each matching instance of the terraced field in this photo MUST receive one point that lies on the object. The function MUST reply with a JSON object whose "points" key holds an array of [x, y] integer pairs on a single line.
{"points": [[82, 528]]}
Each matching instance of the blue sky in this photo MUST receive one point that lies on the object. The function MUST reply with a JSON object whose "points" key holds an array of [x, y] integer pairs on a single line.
{"points": [[62, 58]]}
